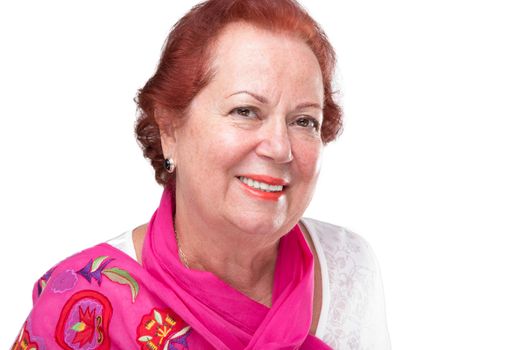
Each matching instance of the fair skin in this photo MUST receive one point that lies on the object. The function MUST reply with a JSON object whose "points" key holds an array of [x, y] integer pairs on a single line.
{"points": [[258, 119]]}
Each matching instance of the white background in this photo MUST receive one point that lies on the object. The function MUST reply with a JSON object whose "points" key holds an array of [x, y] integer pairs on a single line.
{"points": [[430, 168]]}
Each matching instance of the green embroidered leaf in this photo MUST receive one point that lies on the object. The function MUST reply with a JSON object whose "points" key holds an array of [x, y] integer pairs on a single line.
{"points": [[43, 284], [79, 327], [145, 338], [97, 262], [123, 277], [158, 317]]}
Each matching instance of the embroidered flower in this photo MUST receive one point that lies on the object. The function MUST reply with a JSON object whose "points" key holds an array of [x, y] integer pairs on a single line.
{"points": [[85, 327], [24, 341], [42, 282], [94, 268], [84, 322], [163, 327], [64, 281]]}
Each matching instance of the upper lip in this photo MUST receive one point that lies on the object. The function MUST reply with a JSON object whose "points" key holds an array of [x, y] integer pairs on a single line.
{"points": [[270, 180]]}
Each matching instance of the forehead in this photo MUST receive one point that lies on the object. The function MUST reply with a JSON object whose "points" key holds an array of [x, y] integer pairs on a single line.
{"points": [[244, 52]]}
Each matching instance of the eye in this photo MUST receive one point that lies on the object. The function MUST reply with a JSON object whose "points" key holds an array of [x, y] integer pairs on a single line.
{"points": [[305, 122], [245, 112]]}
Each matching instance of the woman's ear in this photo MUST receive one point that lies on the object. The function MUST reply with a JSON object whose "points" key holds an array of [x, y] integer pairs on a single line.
{"points": [[164, 119]]}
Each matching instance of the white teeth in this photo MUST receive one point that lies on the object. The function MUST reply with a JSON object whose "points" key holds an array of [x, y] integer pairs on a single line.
{"points": [[276, 188], [261, 185]]}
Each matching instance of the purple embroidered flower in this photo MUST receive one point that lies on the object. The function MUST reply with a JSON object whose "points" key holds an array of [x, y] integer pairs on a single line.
{"points": [[93, 269], [97, 274], [86, 271], [64, 281]]}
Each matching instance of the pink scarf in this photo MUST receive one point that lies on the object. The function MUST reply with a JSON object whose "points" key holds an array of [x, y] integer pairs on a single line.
{"points": [[101, 298]]}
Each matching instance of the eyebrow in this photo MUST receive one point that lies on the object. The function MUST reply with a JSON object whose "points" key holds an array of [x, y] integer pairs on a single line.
{"points": [[263, 99], [254, 95], [308, 105]]}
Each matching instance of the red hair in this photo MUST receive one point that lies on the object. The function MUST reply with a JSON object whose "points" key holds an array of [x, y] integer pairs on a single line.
{"points": [[183, 69]]}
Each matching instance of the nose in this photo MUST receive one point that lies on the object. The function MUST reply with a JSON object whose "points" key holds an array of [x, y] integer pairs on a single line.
{"points": [[275, 142]]}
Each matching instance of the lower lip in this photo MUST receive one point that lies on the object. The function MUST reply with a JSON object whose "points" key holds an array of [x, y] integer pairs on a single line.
{"points": [[270, 196]]}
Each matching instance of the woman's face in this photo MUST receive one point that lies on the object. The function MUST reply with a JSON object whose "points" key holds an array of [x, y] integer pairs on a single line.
{"points": [[248, 154]]}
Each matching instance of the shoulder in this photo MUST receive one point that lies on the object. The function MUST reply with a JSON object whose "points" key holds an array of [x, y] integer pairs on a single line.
{"points": [[124, 242], [85, 269], [349, 260], [352, 288], [91, 284], [339, 244]]}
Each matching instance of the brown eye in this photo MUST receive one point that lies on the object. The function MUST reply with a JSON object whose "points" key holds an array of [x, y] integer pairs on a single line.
{"points": [[244, 112], [308, 123]]}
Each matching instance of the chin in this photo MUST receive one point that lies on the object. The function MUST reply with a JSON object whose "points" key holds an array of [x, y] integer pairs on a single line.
{"points": [[262, 223]]}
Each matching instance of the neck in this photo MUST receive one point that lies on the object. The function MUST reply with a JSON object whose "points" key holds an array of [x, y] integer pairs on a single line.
{"points": [[244, 261]]}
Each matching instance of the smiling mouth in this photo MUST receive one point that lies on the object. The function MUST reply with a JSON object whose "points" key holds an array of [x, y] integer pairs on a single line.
{"points": [[260, 185], [263, 187]]}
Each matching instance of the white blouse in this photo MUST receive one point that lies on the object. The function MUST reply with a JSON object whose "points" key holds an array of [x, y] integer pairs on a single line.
{"points": [[352, 312]]}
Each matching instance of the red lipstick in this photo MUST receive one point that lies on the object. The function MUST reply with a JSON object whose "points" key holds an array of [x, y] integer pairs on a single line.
{"points": [[266, 179], [272, 196]]}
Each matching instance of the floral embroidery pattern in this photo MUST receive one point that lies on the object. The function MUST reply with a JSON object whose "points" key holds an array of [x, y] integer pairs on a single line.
{"points": [[94, 269], [42, 282], [24, 342], [64, 281], [163, 329], [84, 322]]}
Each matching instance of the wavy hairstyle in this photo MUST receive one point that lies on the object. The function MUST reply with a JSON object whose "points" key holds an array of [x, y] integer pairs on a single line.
{"points": [[183, 69]]}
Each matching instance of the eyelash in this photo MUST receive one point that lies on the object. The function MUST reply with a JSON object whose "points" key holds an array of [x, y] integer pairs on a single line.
{"points": [[312, 122], [239, 110]]}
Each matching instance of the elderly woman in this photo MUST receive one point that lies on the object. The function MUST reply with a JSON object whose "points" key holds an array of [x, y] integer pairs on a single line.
{"points": [[234, 122]]}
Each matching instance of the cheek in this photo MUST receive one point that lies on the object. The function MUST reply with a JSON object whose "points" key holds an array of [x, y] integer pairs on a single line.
{"points": [[217, 145], [308, 156]]}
